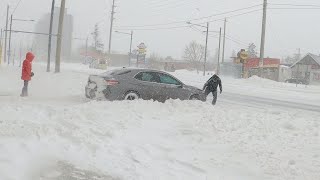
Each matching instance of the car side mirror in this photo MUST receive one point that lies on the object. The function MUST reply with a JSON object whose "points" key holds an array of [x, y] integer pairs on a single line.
{"points": [[180, 85]]}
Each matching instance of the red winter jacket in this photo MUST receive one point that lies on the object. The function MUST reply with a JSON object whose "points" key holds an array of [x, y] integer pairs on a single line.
{"points": [[27, 67]]}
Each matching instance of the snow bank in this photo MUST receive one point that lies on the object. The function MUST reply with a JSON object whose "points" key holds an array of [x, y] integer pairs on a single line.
{"points": [[150, 140]]}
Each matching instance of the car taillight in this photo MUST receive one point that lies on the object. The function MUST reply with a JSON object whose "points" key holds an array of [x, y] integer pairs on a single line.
{"points": [[112, 82]]}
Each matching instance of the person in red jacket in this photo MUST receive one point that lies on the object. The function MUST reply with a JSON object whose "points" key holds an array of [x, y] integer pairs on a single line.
{"points": [[27, 73]]}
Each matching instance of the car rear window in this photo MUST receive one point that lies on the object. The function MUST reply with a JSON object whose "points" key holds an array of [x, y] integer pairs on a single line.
{"points": [[117, 72]]}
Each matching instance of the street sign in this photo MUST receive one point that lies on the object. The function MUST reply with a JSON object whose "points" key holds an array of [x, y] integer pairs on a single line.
{"points": [[244, 55], [142, 46]]}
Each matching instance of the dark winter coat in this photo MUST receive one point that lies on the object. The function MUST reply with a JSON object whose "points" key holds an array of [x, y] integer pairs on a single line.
{"points": [[212, 84], [27, 67]]}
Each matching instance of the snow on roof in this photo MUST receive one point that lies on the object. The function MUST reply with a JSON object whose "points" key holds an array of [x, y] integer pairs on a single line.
{"points": [[314, 57]]}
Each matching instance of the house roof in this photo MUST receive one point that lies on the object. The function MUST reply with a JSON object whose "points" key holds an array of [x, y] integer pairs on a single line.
{"points": [[314, 57]]}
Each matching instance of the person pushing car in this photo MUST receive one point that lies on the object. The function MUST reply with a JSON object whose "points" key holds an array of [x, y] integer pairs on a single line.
{"points": [[211, 86]]}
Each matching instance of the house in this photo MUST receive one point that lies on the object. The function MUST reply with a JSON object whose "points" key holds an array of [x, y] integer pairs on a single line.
{"points": [[307, 68]]}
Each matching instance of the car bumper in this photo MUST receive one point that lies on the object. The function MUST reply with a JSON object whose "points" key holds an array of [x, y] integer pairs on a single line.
{"points": [[104, 93]]}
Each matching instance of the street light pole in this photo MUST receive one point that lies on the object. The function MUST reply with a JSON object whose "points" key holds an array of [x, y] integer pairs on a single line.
{"points": [[131, 35], [6, 36], [87, 47], [224, 39], [10, 34], [50, 36], [206, 47], [130, 50], [1, 47], [9, 51], [205, 51]]}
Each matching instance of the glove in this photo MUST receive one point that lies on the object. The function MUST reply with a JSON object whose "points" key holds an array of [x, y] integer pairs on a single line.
{"points": [[32, 74]]}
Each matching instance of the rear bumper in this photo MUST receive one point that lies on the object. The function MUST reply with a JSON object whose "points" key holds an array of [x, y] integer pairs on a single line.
{"points": [[96, 93]]}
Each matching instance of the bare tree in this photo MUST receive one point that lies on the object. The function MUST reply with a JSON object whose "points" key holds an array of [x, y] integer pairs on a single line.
{"points": [[194, 53], [155, 61]]}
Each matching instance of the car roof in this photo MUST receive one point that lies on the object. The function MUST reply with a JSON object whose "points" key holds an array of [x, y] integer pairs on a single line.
{"points": [[139, 69]]}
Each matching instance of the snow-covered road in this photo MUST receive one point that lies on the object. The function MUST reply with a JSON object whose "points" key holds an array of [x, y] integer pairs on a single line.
{"points": [[252, 101], [257, 131]]}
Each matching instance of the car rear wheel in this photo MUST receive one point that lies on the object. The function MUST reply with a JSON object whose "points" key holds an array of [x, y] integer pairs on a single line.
{"points": [[92, 93], [130, 96]]}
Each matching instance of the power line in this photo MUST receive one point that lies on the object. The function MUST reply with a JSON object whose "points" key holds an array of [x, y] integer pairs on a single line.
{"points": [[236, 15], [181, 26], [297, 5], [16, 7], [154, 29], [196, 19], [296, 8]]}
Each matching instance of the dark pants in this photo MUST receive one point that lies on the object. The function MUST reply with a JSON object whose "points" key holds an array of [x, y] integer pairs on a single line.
{"points": [[25, 89], [215, 95]]}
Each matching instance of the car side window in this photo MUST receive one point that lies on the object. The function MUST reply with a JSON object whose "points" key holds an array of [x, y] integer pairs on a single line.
{"points": [[166, 79], [148, 77]]}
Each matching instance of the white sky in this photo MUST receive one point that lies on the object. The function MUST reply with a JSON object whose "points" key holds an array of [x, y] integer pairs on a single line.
{"points": [[287, 29]]}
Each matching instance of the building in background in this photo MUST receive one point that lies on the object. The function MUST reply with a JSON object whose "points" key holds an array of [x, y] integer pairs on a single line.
{"points": [[307, 68], [270, 68], [40, 43]]}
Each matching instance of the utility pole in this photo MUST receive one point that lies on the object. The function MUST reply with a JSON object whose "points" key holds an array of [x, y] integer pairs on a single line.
{"points": [[14, 56], [87, 40], [205, 51], [9, 51], [263, 36], [6, 36], [224, 39], [20, 57], [111, 27], [50, 36], [59, 36], [131, 35], [218, 68], [1, 47]]}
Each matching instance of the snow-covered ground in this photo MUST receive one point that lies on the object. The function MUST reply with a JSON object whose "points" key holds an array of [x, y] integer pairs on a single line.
{"points": [[58, 134]]}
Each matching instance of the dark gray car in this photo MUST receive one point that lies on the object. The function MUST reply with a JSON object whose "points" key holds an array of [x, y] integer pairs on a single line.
{"points": [[147, 84]]}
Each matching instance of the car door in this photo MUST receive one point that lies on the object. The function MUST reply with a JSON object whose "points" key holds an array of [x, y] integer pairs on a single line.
{"points": [[149, 85], [173, 87]]}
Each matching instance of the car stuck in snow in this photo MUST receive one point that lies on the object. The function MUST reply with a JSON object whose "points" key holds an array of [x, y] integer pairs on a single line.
{"points": [[146, 84]]}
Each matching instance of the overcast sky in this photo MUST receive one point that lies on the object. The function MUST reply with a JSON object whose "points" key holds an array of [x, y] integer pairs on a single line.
{"points": [[287, 29]]}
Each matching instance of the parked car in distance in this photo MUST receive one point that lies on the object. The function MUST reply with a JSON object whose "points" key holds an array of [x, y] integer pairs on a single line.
{"points": [[146, 84], [297, 81]]}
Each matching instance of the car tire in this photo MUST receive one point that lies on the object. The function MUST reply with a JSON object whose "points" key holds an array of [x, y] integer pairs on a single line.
{"points": [[194, 97], [131, 96], [92, 93]]}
